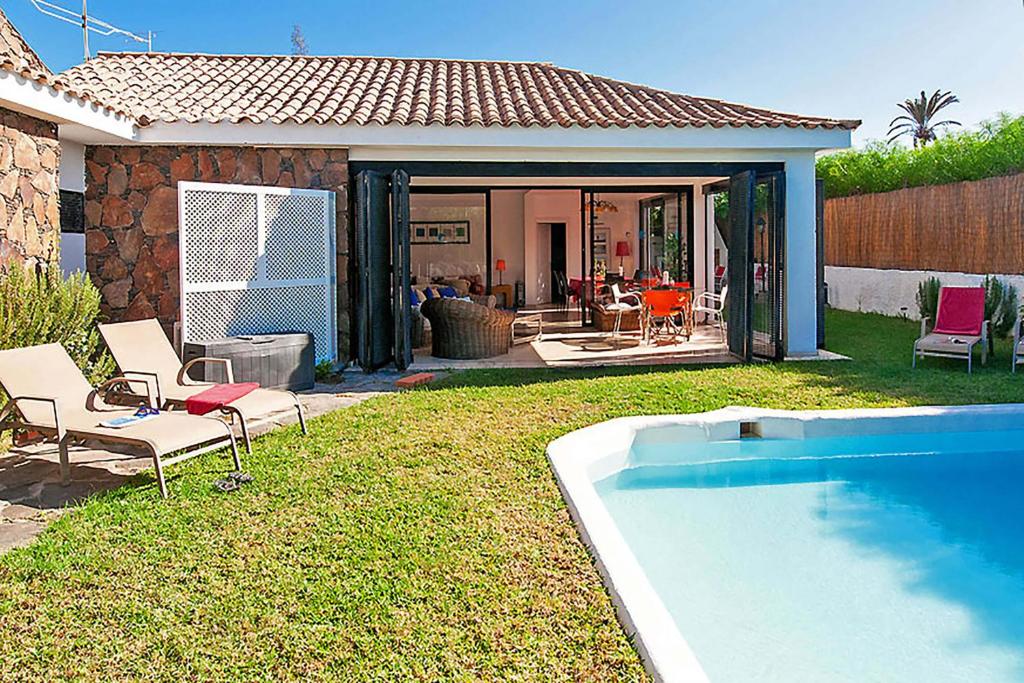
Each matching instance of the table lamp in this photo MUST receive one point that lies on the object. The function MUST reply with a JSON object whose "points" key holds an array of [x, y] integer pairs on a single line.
{"points": [[500, 267], [622, 251]]}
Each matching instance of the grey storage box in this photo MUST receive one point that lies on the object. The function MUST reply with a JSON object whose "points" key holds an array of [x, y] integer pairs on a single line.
{"points": [[276, 361]]}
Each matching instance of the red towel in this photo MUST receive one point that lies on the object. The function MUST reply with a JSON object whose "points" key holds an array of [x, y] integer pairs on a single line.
{"points": [[961, 311], [217, 396]]}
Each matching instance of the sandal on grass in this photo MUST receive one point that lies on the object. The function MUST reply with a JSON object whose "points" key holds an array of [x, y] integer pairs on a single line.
{"points": [[240, 477], [226, 485]]}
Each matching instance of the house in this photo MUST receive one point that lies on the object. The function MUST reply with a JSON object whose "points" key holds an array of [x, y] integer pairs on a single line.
{"points": [[41, 115], [551, 172]]}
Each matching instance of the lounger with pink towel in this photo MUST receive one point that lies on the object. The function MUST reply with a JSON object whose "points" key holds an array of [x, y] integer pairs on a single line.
{"points": [[960, 325], [47, 393], [145, 355]]}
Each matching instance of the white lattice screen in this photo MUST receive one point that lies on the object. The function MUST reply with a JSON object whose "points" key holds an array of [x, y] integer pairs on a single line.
{"points": [[256, 260]]}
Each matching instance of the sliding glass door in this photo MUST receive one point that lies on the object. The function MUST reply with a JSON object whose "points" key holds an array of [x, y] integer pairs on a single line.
{"points": [[652, 236], [664, 231], [382, 265], [768, 281], [755, 239], [740, 276]]}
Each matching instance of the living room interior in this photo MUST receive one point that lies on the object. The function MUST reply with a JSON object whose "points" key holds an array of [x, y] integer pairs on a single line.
{"points": [[544, 256]]}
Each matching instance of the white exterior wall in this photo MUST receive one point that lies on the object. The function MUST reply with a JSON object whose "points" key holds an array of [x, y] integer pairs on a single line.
{"points": [[72, 166], [700, 242], [801, 250], [892, 292], [714, 241], [72, 253], [71, 176]]}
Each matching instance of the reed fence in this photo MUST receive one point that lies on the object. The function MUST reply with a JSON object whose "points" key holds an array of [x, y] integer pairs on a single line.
{"points": [[969, 227]]}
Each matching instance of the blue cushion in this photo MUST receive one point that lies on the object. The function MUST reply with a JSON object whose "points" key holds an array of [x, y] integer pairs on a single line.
{"points": [[429, 291], [448, 292], [414, 300]]}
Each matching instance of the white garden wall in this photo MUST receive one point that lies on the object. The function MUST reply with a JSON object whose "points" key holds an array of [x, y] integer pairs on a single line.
{"points": [[891, 291]]}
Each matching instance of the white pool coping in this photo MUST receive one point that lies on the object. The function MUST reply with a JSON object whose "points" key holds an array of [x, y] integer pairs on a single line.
{"points": [[590, 454]]}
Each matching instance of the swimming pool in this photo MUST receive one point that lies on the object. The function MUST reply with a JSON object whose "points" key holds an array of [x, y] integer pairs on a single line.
{"points": [[754, 545]]}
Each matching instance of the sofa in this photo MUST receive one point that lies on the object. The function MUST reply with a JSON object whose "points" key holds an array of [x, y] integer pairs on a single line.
{"points": [[454, 286], [462, 329]]}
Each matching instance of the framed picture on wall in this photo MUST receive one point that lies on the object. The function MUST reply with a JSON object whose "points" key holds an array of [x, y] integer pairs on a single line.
{"points": [[439, 232]]}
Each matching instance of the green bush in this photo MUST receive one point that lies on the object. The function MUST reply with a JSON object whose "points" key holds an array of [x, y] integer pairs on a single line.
{"points": [[324, 370], [928, 298], [40, 310], [1000, 306], [995, 150]]}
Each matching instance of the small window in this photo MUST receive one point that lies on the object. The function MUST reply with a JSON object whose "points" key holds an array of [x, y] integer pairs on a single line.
{"points": [[72, 212]]}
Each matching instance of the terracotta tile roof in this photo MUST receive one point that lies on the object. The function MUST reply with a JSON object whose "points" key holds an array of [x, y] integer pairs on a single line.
{"points": [[18, 57], [364, 90]]}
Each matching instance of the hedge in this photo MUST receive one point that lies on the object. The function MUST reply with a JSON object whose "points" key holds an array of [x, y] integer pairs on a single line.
{"points": [[996, 149]]}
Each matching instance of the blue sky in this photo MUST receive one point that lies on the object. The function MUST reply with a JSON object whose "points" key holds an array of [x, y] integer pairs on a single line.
{"points": [[848, 58]]}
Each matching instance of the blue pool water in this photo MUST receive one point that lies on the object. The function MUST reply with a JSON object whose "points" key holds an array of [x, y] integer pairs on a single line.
{"points": [[877, 559]]}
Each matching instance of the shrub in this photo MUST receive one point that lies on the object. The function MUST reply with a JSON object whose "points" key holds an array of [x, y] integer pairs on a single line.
{"points": [[997, 149], [1000, 306], [928, 298], [324, 370], [40, 310]]}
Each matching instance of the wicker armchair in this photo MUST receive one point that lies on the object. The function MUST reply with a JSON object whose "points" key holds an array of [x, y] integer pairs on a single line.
{"points": [[464, 329], [420, 335]]}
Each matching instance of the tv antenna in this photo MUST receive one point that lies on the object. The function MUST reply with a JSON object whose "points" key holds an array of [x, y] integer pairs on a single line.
{"points": [[97, 26]]}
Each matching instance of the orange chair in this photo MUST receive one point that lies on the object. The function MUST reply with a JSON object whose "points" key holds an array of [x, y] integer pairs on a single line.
{"points": [[661, 308]]}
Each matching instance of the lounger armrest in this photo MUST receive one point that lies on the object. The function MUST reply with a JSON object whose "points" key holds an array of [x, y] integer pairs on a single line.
{"points": [[924, 326], [1016, 330], [146, 376], [12, 405], [113, 382], [229, 374]]}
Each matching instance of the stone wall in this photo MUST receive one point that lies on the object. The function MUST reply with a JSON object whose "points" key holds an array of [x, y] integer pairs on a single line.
{"points": [[131, 216], [29, 194]]}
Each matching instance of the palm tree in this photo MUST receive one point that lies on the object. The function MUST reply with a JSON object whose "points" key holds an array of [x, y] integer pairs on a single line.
{"points": [[299, 46], [918, 119]]}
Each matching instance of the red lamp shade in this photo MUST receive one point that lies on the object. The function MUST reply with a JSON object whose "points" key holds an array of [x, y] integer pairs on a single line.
{"points": [[500, 265], [622, 248]]}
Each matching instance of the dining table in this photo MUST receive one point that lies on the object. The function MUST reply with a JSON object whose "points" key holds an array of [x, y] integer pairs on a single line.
{"points": [[685, 305], [576, 285]]}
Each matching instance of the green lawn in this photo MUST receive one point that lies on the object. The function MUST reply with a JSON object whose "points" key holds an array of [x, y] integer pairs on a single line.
{"points": [[416, 536]]}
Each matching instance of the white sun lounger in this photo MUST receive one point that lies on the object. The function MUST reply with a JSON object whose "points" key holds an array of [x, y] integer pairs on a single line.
{"points": [[144, 354], [47, 393]]}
